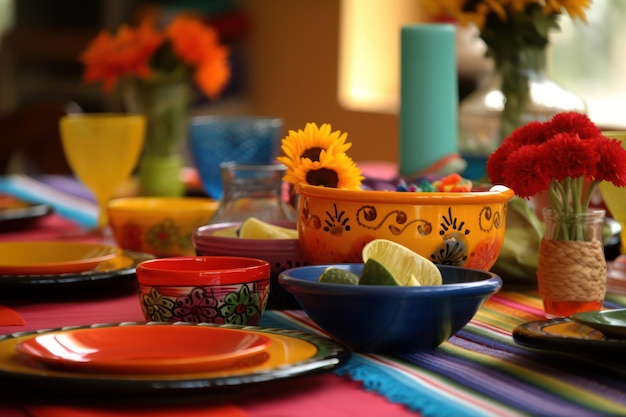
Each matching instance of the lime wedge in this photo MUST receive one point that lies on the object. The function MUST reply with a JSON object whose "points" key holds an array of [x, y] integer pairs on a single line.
{"points": [[375, 274], [253, 228], [405, 266], [338, 276]]}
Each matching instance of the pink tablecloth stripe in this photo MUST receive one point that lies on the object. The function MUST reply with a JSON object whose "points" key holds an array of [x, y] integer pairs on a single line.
{"points": [[51, 227], [207, 411], [326, 395], [46, 315]]}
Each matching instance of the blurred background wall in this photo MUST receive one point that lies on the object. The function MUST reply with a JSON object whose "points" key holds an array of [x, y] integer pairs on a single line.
{"points": [[287, 63], [287, 59]]}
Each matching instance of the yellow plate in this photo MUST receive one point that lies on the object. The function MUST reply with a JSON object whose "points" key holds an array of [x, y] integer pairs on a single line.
{"points": [[52, 257]]}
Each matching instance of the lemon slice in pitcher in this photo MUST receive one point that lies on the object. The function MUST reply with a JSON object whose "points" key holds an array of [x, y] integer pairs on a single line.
{"points": [[253, 228], [397, 264], [227, 232]]}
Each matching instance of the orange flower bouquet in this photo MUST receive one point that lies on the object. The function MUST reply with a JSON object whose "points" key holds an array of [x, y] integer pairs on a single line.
{"points": [[160, 67], [187, 48]]}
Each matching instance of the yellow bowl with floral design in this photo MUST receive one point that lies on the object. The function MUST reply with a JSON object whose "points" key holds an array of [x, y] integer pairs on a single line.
{"points": [[161, 226], [450, 228]]}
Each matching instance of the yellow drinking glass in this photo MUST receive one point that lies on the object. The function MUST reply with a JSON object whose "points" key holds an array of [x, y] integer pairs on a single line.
{"points": [[102, 149], [615, 197]]}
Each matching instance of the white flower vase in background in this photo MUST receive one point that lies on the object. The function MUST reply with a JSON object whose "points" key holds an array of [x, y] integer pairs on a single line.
{"points": [[485, 118]]}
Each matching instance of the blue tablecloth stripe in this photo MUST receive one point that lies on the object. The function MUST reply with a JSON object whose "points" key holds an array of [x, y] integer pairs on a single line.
{"points": [[69, 205]]}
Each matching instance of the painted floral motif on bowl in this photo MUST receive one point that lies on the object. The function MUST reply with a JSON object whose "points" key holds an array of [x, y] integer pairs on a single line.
{"points": [[450, 228]]}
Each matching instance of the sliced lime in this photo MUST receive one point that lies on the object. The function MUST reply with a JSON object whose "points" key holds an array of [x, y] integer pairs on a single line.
{"points": [[405, 266], [375, 274], [338, 276]]}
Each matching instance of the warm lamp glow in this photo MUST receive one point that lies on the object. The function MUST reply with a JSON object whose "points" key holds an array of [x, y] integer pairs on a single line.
{"points": [[369, 48]]}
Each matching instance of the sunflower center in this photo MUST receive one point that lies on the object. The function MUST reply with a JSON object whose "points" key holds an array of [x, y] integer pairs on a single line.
{"points": [[323, 176], [313, 153]]}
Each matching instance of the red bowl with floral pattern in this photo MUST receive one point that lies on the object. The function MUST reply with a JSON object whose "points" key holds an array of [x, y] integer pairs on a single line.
{"points": [[204, 289]]}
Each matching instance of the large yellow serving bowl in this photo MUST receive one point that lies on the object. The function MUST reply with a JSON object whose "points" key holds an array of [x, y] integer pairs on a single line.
{"points": [[450, 228]]}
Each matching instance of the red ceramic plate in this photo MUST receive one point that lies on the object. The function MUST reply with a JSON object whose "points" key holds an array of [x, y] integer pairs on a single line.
{"points": [[147, 349], [52, 257]]}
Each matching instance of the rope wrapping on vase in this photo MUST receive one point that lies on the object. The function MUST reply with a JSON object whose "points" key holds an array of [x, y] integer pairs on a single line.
{"points": [[571, 270]]}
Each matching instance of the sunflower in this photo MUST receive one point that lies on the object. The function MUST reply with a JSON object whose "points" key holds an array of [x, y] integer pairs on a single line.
{"points": [[478, 11], [311, 141], [316, 156]]}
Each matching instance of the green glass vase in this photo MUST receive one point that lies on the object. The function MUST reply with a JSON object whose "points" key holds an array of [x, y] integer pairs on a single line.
{"points": [[165, 106], [161, 175]]}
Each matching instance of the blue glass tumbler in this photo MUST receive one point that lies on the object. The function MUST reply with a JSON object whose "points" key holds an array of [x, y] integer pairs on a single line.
{"points": [[214, 140]]}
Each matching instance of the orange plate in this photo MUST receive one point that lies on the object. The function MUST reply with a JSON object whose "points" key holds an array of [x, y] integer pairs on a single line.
{"points": [[52, 257], [147, 349]]}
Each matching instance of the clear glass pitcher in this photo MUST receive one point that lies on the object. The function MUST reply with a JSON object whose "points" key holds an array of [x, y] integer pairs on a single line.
{"points": [[253, 191]]}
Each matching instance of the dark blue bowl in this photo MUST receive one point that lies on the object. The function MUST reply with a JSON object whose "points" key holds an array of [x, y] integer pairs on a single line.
{"points": [[391, 319]]}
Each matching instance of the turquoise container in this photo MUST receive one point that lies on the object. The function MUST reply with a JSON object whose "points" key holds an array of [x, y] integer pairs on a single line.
{"points": [[428, 96]]}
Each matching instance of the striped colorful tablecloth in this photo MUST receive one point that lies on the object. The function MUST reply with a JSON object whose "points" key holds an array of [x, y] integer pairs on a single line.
{"points": [[482, 371]]}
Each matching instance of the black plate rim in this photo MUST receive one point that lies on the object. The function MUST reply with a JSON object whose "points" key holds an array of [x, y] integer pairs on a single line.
{"points": [[27, 281], [530, 334], [11, 216]]}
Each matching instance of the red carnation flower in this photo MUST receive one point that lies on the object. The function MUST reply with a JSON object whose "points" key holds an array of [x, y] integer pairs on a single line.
{"points": [[531, 133], [611, 165], [571, 157], [558, 156], [523, 172], [572, 122]]}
